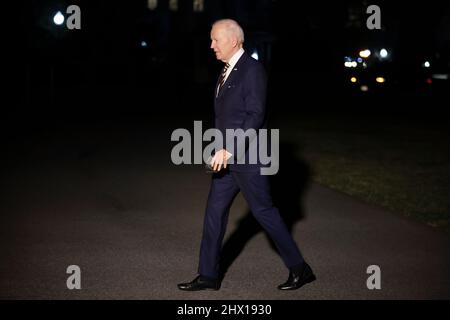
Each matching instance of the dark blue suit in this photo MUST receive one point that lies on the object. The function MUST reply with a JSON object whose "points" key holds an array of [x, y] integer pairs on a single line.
{"points": [[241, 103]]}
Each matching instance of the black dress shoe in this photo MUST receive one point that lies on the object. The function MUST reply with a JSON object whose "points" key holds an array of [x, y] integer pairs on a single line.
{"points": [[298, 278], [200, 283]]}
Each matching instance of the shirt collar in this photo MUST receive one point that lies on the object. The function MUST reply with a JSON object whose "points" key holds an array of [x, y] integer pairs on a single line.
{"points": [[235, 58]]}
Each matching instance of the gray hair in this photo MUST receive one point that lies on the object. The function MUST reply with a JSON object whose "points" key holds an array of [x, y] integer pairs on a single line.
{"points": [[232, 27]]}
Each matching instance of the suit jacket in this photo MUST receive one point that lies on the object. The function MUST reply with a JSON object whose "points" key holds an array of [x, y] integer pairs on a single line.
{"points": [[241, 104]]}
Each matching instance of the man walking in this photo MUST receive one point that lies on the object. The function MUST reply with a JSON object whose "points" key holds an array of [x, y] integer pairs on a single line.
{"points": [[240, 103]]}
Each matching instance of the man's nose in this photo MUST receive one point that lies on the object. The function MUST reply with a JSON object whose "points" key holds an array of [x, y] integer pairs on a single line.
{"points": [[212, 45]]}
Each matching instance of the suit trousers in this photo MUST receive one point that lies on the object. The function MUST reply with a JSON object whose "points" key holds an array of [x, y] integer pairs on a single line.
{"points": [[255, 188]]}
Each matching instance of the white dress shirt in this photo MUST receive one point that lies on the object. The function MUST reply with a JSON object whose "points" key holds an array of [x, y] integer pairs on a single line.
{"points": [[234, 59]]}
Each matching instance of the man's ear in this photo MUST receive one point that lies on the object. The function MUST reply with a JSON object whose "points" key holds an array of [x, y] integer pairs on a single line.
{"points": [[235, 42]]}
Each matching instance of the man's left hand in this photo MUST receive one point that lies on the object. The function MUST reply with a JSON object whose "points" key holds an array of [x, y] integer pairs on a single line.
{"points": [[220, 159]]}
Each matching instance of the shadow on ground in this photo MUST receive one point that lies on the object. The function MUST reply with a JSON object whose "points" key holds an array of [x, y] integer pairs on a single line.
{"points": [[288, 187]]}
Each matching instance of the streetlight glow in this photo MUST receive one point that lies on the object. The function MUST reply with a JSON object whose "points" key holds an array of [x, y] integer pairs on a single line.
{"points": [[364, 53], [383, 53], [255, 55], [58, 18]]}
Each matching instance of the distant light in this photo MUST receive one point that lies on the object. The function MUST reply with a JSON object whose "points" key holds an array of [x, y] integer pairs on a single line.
{"points": [[440, 76], [359, 60], [364, 53], [383, 53], [255, 55], [426, 64], [143, 44], [353, 79], [152, 4], [429, 81], [58, 18], [199, 5], [173, 5], [350, 64], [380, 79], [364, 88], [347, 59]]}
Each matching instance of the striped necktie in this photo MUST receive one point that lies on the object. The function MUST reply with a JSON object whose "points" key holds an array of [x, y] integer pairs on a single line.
{"points": [[222, 77]]}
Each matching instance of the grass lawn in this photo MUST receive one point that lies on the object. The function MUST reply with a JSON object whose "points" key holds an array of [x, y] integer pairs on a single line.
{"points": [[402, 165]]}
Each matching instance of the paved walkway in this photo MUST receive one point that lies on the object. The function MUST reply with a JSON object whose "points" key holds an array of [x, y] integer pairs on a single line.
{"points": [[106, 201]]}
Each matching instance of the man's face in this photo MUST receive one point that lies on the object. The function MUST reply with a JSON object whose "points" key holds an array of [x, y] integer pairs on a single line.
{"points": [[223, 44]]}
